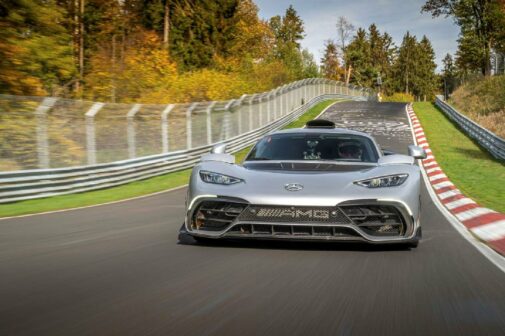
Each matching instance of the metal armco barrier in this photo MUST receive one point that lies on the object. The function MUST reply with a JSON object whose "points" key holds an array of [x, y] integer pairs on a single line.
{"points": [[37, 183], [486, 139]]}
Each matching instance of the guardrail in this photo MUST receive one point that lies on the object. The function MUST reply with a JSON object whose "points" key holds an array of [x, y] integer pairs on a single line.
{"points": [[37, 183], [486, 139]]}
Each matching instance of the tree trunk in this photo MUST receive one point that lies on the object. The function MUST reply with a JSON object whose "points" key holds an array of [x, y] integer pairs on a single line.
{"points": [[81, 41], [113, 61], [76, 41], [166, 25], [348, 76]]}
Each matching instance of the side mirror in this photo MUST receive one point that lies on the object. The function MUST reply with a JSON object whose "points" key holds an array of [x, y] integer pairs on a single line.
{"points": [[218, 149], [417, 152], [387, 152]]}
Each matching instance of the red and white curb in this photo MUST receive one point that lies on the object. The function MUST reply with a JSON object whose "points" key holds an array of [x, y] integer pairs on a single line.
{"points": [[485, 224]]}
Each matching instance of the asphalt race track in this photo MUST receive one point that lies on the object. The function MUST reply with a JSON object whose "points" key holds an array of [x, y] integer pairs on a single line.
{"points": [[119, 270]]}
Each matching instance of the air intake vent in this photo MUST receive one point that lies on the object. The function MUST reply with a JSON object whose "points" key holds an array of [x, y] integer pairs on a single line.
{"points": [[320, 123], [216, 215]]}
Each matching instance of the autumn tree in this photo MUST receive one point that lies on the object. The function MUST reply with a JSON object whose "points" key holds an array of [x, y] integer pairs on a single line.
{"points": [[330, 65], [35, 48], [345, 29]]}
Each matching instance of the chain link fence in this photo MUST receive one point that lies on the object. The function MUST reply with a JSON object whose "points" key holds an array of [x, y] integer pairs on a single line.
{"points": [[49, 132]]}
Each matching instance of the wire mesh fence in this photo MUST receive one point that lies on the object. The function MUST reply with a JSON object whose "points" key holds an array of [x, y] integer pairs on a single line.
{"points": [[49, 132]]}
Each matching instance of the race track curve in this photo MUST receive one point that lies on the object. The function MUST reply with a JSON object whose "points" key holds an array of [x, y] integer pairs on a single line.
{"points": [[119, 270]]}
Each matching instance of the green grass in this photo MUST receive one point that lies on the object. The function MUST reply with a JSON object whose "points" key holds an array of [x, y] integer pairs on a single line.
{"points": [[134, 189], [469, 167]]}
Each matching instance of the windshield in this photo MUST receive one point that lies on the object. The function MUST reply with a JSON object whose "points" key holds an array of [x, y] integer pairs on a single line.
{"points": [[314, 147]]}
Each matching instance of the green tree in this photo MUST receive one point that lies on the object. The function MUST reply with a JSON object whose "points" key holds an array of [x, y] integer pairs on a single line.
{"points": [[426, 79], [358, 59], [310, 68], [406, 64], [288, 31], [481, 23]]}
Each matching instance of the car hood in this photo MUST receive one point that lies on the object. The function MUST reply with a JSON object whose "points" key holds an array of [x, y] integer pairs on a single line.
{"points": [[267, 184]]}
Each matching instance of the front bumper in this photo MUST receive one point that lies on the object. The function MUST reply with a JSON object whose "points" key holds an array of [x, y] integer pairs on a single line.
{"points": [[242, 220]]}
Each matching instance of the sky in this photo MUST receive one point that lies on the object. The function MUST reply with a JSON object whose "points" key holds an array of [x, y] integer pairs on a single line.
{"points": [[393, 16]]}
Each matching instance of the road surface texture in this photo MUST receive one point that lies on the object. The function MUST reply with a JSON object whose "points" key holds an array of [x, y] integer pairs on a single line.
{"points": [[119, 270]]}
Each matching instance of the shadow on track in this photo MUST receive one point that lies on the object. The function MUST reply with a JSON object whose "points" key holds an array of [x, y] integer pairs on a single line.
{"points": [[185, 239]]}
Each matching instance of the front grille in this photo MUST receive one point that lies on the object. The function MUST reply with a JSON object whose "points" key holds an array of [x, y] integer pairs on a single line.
{"points": [[293, 231], [287, 214], [215, 215], [377, 220]]}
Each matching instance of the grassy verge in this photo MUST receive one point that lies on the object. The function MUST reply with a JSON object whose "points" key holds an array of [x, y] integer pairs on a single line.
{"points": [[134, 189], [469, 167]]}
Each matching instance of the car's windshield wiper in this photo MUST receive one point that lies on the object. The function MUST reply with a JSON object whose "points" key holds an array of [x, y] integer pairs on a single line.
{"points": [[258, 159]]}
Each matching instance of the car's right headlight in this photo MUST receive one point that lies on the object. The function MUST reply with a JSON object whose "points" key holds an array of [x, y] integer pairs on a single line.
{"points": [[383, 181], [217, 178]]}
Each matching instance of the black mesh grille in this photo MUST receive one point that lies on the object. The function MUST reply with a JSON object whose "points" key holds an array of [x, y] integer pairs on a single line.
{"points": [[216, 215], [286, 214], [377, 220]]}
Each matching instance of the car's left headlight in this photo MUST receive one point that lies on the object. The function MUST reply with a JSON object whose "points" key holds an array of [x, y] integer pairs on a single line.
{"points": [[383, 181], [216, 178]]}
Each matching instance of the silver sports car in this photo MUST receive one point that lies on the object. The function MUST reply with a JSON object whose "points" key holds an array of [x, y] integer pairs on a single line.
{"points": [[314, 183]]}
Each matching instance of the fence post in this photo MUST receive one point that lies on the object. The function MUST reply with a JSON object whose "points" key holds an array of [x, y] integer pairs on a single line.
{"points": [[251, 112], [189, 126], [225, 129], [239, 119], [164, 127], [208, 111], [90, 132], [42, 141], [269, 107], [130, 130], [260, 110]]}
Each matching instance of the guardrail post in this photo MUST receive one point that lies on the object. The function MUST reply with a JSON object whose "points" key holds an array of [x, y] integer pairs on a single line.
{"points": [[189, 126], [208, 111], [42, 140], [130, 131], [164, 127], [90, 132]]}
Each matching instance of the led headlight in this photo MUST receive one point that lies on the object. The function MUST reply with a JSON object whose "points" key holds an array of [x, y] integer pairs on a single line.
{"points": [[383, 181], [216, 178]]}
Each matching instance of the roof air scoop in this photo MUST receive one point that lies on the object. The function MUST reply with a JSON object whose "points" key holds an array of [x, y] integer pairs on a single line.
{"points": [[320, 123]]}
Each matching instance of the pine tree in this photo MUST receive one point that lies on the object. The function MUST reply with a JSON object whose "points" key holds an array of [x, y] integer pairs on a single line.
{"points": [[405, 65], [358, 59], [426, 79]]}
